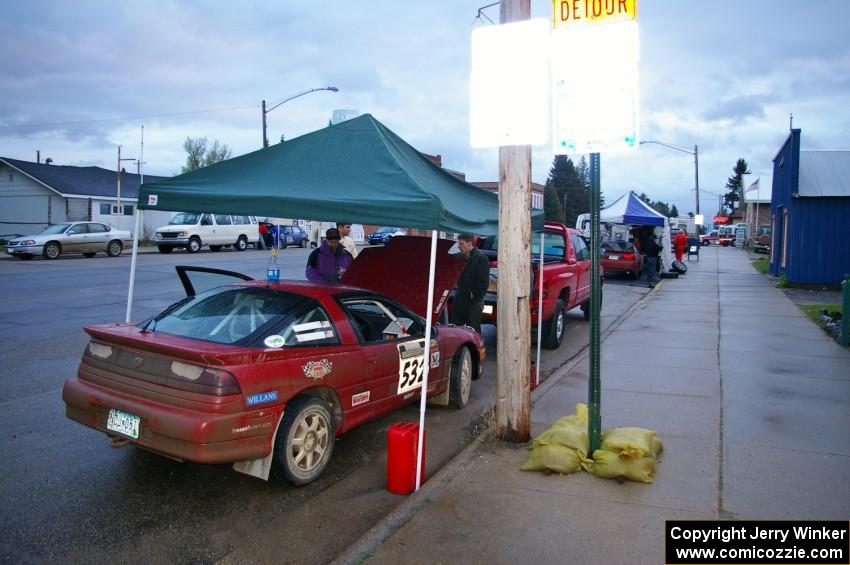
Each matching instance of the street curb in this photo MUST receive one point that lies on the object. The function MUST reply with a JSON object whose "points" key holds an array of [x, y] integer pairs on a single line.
{"points": [[361, 550]]}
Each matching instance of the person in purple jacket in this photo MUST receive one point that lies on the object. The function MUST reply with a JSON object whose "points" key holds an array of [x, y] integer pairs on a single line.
{"points": [[329, 261]]}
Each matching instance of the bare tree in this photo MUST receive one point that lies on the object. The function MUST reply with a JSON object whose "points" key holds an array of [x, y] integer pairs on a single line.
{"points": [[199, 153]]}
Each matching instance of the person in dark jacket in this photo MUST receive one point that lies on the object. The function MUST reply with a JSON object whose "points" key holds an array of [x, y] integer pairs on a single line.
{"points": [[329, 261], [652, 250], [472, 285]]}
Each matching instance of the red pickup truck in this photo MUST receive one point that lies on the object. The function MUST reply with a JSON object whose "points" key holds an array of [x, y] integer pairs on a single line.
{"points": [[566, 279]]}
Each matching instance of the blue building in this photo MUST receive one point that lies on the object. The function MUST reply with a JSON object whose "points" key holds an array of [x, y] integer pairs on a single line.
{"points": [[810, 214]]}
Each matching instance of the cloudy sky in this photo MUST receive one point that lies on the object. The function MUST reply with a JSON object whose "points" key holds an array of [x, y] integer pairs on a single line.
{"points": [[81, 78]]}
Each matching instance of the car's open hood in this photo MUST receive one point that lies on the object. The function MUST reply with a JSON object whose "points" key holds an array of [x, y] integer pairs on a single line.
{"points": [[400, 271]]}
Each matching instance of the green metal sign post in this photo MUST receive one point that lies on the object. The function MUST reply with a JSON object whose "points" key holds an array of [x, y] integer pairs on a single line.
{"points": [[594, 393]]}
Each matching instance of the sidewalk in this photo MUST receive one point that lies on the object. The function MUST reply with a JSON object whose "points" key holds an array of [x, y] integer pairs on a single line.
{"points": [[751, 399]]}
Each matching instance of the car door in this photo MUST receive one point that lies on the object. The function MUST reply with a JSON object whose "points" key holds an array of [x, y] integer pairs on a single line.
{"points": [[392, 340], [223, 231], [98, 237], [582, 267], [198, 279], [75, 239]]}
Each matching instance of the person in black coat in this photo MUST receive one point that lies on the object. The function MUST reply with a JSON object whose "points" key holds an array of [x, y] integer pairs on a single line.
{"points": [[472, 285]]}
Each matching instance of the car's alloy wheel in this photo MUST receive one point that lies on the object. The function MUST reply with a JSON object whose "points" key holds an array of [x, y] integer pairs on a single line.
{"points": [[52, 250], [114, 248], [461, 379], [305, 440]]}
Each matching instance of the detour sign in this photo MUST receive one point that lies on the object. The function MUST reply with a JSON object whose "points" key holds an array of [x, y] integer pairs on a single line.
{"points": [[577, 12]]}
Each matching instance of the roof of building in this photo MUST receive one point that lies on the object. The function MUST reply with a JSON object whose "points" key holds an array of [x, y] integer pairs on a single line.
{"points": [[80, 181], [494, 186], [824, 173]]}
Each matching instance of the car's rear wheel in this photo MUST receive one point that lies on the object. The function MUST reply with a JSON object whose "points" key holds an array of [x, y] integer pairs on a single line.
{"points": [[114, 248], [89, 254], [51, 250], [241, 243], [305, 439], [460, 383], [165, 248], [215, 247], [194, 245], [554, 330]]}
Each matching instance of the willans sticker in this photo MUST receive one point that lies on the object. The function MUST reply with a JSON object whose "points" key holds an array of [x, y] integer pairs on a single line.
{"points": [[317, 370]]}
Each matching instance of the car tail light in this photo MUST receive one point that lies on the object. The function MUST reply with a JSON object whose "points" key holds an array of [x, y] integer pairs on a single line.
{"points": [[204, 380], [628, 257]]}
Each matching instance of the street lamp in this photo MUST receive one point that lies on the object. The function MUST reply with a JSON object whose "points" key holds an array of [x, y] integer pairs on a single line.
{"points": [[695, 153], [294, 96]]}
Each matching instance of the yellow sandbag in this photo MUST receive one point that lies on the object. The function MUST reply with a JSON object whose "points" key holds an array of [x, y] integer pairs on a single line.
{"points": [[630, 442], [609, 465], [551, 457], [657, 446]]}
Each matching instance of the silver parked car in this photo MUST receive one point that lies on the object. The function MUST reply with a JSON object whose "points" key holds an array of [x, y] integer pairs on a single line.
{"points": [[72, 237]]}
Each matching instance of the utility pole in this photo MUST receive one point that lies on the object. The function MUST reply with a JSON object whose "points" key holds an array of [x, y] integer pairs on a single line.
{"points": [[696, 175], [513, 387]]}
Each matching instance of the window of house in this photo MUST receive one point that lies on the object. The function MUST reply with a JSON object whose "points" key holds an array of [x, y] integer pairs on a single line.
{"points": [[105, 209], [128, 210]]}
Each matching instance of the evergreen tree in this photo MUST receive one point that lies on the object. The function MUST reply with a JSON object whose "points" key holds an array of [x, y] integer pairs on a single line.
{"points": [[572, 190], [551, 205], [735, 185], [674, 212]]}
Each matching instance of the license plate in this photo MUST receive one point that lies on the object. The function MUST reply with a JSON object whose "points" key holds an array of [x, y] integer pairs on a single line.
{"points": [[488, 309], [123, 423], [614, 257]]}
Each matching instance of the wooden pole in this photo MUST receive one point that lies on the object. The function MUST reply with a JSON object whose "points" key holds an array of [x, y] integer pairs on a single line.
{"points": [[513, 357]]}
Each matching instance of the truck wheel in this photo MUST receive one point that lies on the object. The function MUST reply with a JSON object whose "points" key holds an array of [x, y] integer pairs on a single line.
{"points": [[460, 382], [305, 439], [194, 245], [241, 243], [554, 330]]}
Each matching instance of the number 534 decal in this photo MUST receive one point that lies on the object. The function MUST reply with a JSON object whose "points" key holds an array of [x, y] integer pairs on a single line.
{"points": [[411, 365]]}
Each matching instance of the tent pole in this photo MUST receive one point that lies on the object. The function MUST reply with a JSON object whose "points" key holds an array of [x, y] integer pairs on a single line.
{"points": [[539, 311], [427, 353], [133, 265]]}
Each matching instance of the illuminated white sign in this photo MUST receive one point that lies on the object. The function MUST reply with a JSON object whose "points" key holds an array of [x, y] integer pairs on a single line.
{"points": [[509, 84], [595, 88]]}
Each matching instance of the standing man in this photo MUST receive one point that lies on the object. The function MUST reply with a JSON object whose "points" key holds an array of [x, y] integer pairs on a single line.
{"points": [[346, 241], [651, 249], [472, 284], [328, 262]]}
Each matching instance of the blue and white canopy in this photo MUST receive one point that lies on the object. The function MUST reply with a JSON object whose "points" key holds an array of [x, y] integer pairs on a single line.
{"points": [[631, 210]]}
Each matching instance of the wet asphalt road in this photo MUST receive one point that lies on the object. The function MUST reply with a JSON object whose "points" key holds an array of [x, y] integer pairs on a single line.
{"points": [[68, 497]]}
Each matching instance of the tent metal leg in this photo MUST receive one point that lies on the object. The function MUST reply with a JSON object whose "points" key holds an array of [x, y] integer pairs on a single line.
{"points": [[428, 321]]}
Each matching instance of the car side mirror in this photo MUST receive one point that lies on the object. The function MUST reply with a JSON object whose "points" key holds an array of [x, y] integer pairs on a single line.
{"points": [[571, 261]]}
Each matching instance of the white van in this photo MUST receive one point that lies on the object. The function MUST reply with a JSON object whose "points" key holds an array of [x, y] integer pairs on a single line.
{"points": [[193, 230]]}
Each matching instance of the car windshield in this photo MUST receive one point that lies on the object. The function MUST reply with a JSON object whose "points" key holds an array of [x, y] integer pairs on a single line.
{"points": [[184, 219], [387, 230], [54, 229], [618, 246], [227, 314]]}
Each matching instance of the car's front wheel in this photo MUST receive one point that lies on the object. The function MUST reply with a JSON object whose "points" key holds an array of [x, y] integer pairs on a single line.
{"points": [[114, 248], [554, 331], [194, 245], [305, 439], [460, 383], [51, 250]]}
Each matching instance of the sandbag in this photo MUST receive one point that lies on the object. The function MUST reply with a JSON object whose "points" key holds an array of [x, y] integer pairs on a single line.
{"points": [[609, 465], [569, 431], [552, 457], [631, 442]]}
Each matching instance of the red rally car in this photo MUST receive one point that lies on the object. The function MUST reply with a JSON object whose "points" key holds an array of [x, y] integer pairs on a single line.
{"points": [[256, 373]]}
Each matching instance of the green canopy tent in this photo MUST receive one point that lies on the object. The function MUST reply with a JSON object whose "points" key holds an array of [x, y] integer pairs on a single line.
{"points": [[357, 171]]}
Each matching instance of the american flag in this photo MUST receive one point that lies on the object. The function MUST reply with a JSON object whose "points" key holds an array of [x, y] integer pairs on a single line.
{"points": [[754, 186]]}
